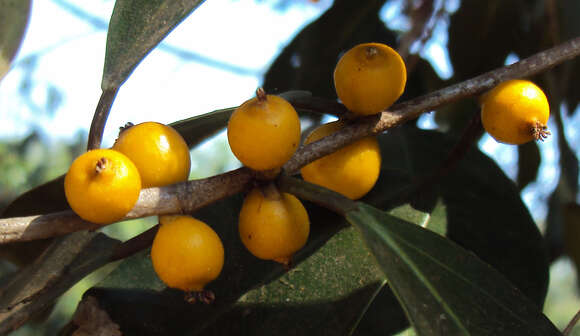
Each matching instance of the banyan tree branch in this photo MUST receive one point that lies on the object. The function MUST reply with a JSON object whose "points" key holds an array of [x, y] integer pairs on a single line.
{"points": [[189, 196]]}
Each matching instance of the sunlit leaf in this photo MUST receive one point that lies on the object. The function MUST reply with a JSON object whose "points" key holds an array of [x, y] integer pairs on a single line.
{"points": [[136, 27], [14, 16]]}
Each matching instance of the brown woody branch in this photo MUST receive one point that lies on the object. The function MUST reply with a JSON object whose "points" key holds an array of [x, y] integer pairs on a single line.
{"points": [[100, 118], [189, 196]]}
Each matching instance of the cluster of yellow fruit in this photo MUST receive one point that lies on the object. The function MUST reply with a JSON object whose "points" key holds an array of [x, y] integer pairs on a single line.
{"points": [[264, 133], [368, 79], [103, 185]]}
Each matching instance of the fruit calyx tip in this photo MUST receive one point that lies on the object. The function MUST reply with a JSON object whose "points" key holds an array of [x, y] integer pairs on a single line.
{"points": [[261, 94], [101, 165], [204, 296], [371, 51], [285, 261], [540, 131]]}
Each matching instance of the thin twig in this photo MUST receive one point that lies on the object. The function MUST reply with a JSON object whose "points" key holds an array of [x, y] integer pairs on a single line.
{"points": [[189, 196], [135, 244], [419, 18], [100, 118], [316, 194], [185, 197], [571, 324], [468, 138]]}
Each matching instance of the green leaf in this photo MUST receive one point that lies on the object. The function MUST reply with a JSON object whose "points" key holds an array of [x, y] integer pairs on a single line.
{"points": [[529, 160], [435, 221], [325, 294], [334, 275], [136, 27], [335, 279], [458, 206], [37, 286], [197, 129], [444, 289], [484, 211], [478, 35], [134, 273], [46, 198], [569, 27], [14, 16]]}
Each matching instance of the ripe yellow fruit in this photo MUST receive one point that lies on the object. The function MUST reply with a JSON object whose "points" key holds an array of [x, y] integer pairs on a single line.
{"points": [[187, 254], [352, 170], [515, 112], [102, 185], [158, 151], [369, 78], [273, 225], [264, 132]]}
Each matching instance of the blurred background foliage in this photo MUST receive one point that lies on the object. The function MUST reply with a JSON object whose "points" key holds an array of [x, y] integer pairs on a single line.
{"points": [[477, 36]]}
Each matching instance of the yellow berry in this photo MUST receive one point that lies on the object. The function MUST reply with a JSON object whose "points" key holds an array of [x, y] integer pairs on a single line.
{"points": [[352, 170], [369, 78], [264, 132], [158, 151], [515, 112], [187, 254], [102, 186], [273, 225]]}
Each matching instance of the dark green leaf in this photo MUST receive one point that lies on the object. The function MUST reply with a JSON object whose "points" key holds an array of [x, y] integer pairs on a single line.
{"points": [[564, 193], [385, 303], [484, 211], [46, 198], [529, 160], [569, 27], [571, 233], [436, 221], [458, 205], [335, 276], [13, 20], [454, 118], [482, 34], [135, 272], [444, 289], [136, 27], [35, 287], [326, 293], [308, 61], [197, 129]]}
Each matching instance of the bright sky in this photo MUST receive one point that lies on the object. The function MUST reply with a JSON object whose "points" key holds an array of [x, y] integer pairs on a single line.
{"points": [[165, 88]]}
